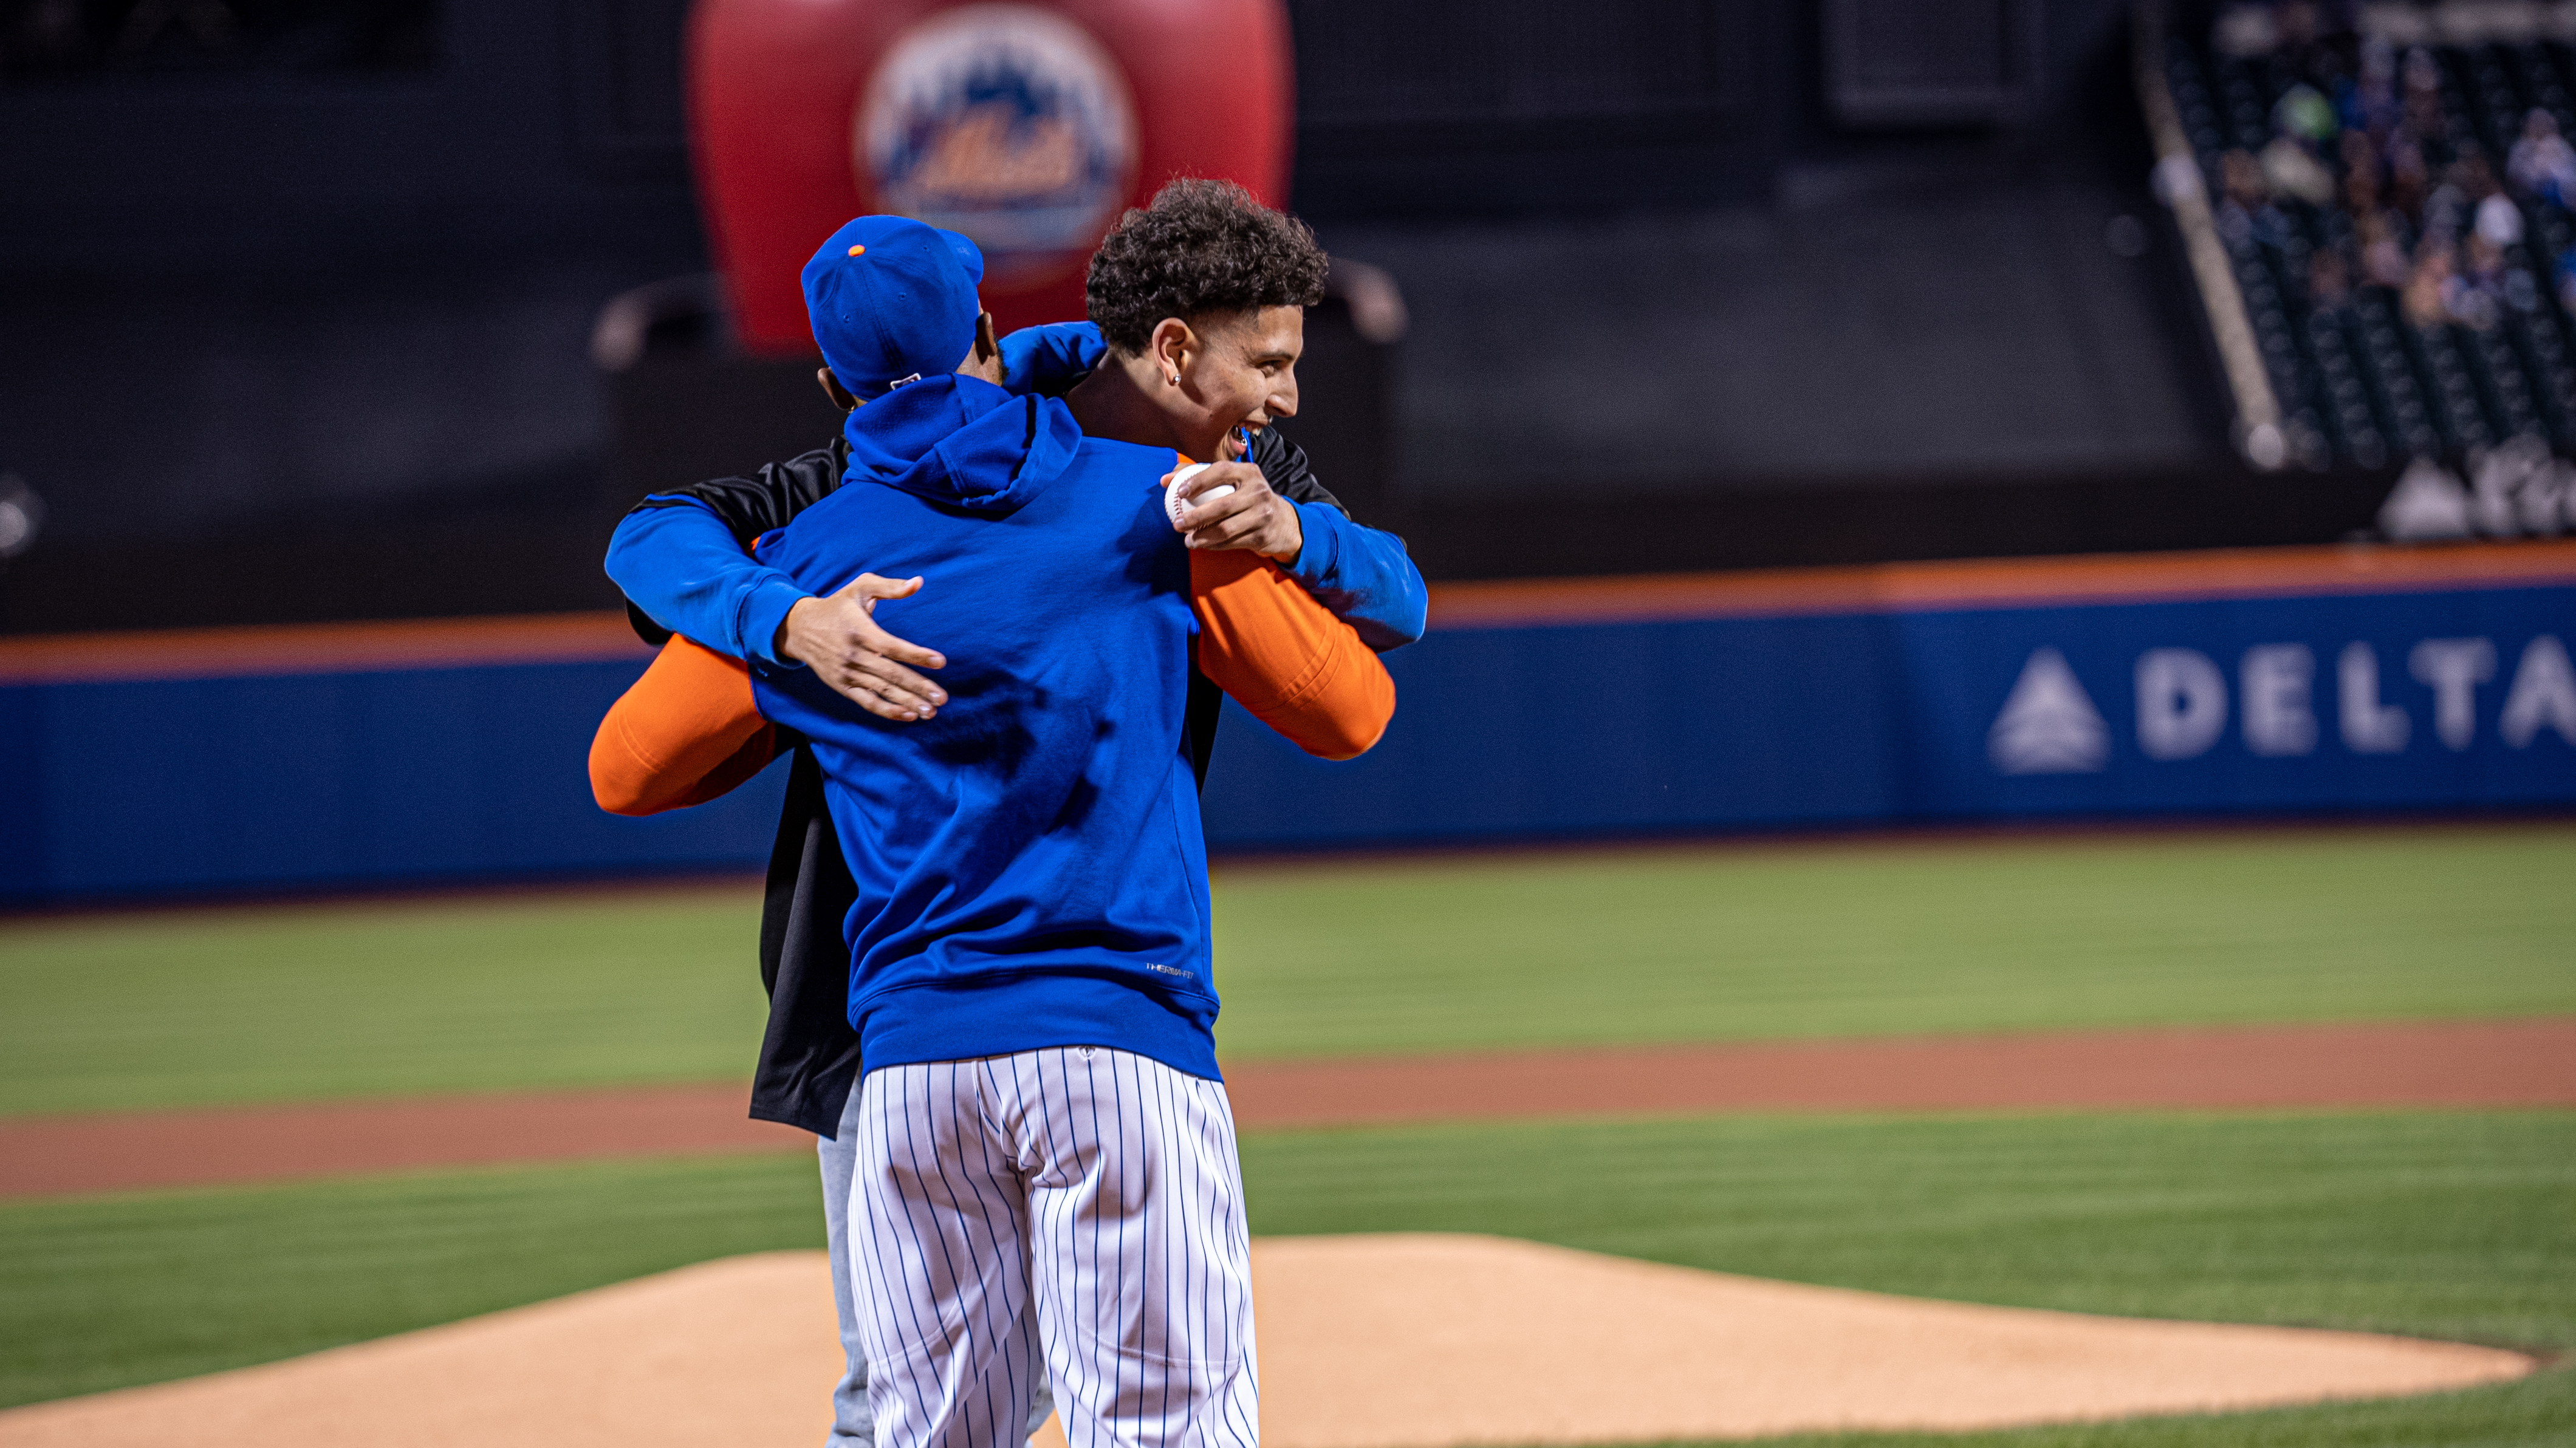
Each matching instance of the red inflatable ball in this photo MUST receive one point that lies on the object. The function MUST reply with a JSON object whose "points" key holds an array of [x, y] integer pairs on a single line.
{"points": [[1028, 127]]}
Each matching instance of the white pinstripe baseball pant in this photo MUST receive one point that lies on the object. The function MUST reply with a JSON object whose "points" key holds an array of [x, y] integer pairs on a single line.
{"points": [[1079, 1199], [852, 1427]]}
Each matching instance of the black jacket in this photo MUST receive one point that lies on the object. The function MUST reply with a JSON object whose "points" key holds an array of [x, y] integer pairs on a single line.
{"points": [[809, 1057]]}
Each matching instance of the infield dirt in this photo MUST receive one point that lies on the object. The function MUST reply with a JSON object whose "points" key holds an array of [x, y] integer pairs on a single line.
{"points": [[2448, 1064], [1402, 1341]]}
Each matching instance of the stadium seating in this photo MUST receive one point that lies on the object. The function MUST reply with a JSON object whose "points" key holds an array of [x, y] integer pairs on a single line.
{"points": [[2452, 337]]}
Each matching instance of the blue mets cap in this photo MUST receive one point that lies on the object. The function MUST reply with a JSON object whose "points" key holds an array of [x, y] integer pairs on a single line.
{"points": [[891, 299]]}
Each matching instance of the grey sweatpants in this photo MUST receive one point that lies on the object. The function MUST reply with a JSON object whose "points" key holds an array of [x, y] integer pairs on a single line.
{"points": [[852, 1427]]}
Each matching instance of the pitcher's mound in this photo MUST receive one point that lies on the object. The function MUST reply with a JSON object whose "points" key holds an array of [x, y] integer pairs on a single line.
{"points": [[1370, 1342], [1414, 1341]]}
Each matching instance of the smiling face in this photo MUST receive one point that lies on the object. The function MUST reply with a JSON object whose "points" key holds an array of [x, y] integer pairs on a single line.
{"points": [[1236, 370]]}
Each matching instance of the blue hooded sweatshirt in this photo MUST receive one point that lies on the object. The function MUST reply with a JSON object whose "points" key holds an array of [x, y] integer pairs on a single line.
{"points": [[1029, 862]]}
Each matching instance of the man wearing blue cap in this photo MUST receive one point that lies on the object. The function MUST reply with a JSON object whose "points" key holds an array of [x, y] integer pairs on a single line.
{"points": [[1045, 1156], [892, 301], [679, 556], [887, 291], [888, 297]]}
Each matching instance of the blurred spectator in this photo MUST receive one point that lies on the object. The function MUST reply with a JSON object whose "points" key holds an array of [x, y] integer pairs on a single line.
{"points": [[2408, 177], [2383, 261], [2245, 30], [2245, 211], [2483, 264], [22, 516], [2305, 115], [2566, 279], [2360, 174], [2520, 292], [2471, 174], [2241, 179], [2470, 292], [2329, 280], [2294, 25], [2371, 104], [2451, 206], [2541, 164], [2422, 297], [2423, 103], [2289, 170], [2499, 222]]}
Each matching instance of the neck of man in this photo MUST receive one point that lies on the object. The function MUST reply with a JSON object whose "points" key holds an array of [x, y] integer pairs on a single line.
{"points": [[1121, 402]]}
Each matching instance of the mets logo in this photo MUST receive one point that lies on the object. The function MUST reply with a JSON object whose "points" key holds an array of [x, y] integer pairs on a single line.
{"points": [[1008, 123]]}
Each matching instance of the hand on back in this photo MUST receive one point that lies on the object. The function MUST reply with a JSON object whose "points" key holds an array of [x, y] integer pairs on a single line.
{"points": [[837, 637]]}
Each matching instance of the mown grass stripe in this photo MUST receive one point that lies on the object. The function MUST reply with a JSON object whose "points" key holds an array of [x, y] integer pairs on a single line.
{"points": [[2457, 1225], [174, 1009]]}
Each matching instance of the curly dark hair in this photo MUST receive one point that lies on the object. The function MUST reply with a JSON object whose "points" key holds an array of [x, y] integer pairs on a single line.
{"points": [[1199, 247]]}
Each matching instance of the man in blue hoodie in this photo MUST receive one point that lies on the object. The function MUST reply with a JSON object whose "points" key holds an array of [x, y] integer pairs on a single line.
{"points": [[1045, 1152], [678, 557]]}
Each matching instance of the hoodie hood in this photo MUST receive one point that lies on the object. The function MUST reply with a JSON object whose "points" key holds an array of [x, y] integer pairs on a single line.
{"points": [[962, 442]]}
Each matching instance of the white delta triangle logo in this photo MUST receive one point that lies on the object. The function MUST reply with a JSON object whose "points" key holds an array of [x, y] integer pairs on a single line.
{"points": [[2049, 724]]}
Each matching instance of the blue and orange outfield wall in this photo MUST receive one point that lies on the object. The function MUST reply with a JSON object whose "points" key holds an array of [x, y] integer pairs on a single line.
{"points": [[209, 760], [2255, 682]]}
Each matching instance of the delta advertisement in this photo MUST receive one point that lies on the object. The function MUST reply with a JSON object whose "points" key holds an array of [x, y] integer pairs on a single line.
{"points": [[2454, 699], [2447, 699], [2390, 701]]}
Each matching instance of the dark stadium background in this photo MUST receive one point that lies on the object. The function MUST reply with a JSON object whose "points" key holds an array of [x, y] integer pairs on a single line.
{"points": [[299, 313], [1980, 736]]}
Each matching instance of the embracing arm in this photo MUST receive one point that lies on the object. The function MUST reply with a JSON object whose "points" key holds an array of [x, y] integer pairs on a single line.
{"points": [[1290, 663], [1362, 574], [687, 732], [1049, 360], [682, 557], [680, 565]]}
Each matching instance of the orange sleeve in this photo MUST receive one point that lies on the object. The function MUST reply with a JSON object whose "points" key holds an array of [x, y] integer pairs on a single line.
{"points": [[1285, 658], [686, 733]]}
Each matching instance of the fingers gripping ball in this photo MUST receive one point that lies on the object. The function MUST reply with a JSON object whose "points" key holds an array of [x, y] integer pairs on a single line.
{"points": [[1174, 505]]}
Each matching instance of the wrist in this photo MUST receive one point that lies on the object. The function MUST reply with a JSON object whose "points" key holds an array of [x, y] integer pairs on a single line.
{"points": [[778, 643], [1287, 555], [1319, 529]]}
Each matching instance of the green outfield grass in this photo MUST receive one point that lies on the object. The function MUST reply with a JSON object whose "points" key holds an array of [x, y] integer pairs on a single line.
{"points": [[499, 993], [1896, 938], [191, 1007], [101, 1292], [2457, 1225]]}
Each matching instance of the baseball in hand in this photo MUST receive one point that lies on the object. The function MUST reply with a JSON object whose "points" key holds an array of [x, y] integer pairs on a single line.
{"points": [[1174, 504]]}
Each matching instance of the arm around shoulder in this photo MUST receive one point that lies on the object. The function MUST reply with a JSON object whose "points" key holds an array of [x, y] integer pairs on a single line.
{"points": [[682, 566], [686, 733], [1364, 575], [1286, 659]]}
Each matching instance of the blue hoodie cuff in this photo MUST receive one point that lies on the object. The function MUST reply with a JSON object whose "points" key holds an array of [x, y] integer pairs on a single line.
{"points": [[1319, 557], [763, 610]]}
